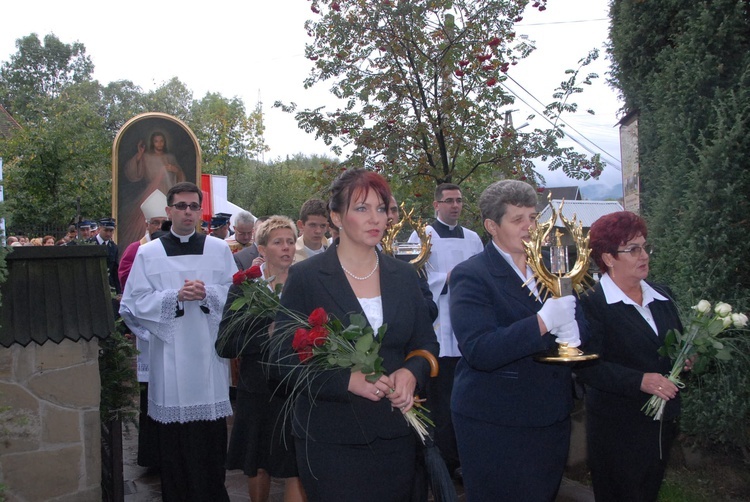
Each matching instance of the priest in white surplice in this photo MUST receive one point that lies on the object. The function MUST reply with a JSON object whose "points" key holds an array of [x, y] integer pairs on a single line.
{"points": [[451, 244], [174, 297]]}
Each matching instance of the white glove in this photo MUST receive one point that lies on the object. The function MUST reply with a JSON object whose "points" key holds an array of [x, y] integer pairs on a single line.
{"points": [[568, 333], [558, 311]]}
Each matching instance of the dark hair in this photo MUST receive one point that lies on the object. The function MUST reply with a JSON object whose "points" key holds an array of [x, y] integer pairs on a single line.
{"points": [[442, 187], [183, 187], [313, 207], [353, 182], [151, 141], [613, 230]]}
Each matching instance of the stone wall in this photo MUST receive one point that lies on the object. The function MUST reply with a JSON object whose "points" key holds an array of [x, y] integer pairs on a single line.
{"points": [[50, 446]]}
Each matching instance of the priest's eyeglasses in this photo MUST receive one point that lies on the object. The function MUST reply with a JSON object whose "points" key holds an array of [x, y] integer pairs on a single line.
{"points": [[450, 202], [635, 251], [181, 206]]}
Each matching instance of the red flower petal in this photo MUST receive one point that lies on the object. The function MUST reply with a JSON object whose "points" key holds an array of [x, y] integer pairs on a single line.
{"points": [[254, 272], [317, 336], [317, 317], [238, 278], [300, 340], [304, 355]]}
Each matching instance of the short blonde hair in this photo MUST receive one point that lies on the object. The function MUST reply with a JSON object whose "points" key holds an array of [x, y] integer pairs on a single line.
{"points": [[275, 222]]}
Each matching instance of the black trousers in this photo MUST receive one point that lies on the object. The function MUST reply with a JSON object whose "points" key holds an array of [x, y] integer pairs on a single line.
{"points": [[192, 461]]}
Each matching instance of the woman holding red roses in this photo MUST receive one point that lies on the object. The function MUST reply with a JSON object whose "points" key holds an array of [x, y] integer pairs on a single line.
{"points": [[351, 442], [257, 444]]}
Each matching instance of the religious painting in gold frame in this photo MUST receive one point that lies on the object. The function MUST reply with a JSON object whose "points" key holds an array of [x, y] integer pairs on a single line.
{"points": [[152, 151]]}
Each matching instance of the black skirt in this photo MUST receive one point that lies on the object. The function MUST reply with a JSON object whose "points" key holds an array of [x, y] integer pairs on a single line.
{"points": [[261, 438], [380, 471]]}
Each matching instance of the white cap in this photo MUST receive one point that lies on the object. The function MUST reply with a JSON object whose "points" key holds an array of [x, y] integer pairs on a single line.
{"points": [[155, 205]]}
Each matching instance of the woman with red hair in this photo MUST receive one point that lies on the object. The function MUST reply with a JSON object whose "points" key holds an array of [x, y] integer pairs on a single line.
{"points": [[629, 318], [352, 442]]}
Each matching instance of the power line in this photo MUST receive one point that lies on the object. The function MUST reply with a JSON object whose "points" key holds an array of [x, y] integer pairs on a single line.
{"points": [[564, 22], [602, 150]]}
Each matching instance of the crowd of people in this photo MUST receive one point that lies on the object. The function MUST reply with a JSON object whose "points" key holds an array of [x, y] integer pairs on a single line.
{"points": [[84, 231], [502, 417]]}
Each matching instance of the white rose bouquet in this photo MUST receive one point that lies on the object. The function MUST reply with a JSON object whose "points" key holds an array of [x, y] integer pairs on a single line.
{"points": [[700, 343]]}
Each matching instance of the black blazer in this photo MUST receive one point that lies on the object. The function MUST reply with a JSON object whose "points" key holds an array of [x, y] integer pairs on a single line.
{"points": [[627, 348], [494, 320], [338, 416]]}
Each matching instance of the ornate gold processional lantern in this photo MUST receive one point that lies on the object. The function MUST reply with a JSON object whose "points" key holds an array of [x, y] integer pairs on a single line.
{"points": [[415, 253], [560, 281]]}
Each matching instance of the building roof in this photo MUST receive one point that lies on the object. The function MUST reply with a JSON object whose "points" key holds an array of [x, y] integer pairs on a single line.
{"points": [[567, 193], [7, 123], [587, 211]]}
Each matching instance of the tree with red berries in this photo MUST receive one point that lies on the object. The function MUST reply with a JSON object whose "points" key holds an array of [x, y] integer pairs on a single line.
{"points": [[419, 84]]}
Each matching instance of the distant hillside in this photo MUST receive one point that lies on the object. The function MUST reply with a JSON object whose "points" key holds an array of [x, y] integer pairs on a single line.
{"points": [[600, 191]]}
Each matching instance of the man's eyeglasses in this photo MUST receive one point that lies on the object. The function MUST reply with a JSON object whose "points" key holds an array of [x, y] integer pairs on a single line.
{"points": [[450, 202], [181, 206], [635, 251]]}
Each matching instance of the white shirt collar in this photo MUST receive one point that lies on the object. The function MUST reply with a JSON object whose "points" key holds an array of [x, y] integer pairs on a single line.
{"points": [[614, 294], [527, 278], [183, 238], [451, 227]]}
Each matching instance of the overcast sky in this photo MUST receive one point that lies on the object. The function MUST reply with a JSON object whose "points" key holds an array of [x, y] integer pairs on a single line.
{"points": [[255, 50]]}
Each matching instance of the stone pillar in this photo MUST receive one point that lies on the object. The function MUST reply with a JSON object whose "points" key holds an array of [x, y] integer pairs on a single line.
{"points": [[50, 439]]}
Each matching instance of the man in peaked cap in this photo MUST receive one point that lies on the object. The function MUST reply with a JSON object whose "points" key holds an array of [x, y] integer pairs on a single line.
{"points": [[220, 225], [104, 238], [84, 230]]}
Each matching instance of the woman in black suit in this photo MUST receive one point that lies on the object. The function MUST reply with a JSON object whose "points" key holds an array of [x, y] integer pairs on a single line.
{"points": [[511, 412], [629, 318], [352, 442]]}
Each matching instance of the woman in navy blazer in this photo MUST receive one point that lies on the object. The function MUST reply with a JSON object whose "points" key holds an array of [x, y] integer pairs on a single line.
{"points": [[511, 413], [351, 438], [629, 318]]}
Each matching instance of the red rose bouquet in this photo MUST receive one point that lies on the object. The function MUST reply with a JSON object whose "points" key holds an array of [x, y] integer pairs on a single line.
{"points": [[256, 293], [324, 343], [253, 307]]}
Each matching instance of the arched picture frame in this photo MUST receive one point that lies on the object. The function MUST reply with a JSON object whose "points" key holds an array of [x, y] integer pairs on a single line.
{"points": [[142, 163]]}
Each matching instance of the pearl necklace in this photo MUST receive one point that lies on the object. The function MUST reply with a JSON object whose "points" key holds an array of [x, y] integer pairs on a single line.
{"points": [[377, 262]]}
